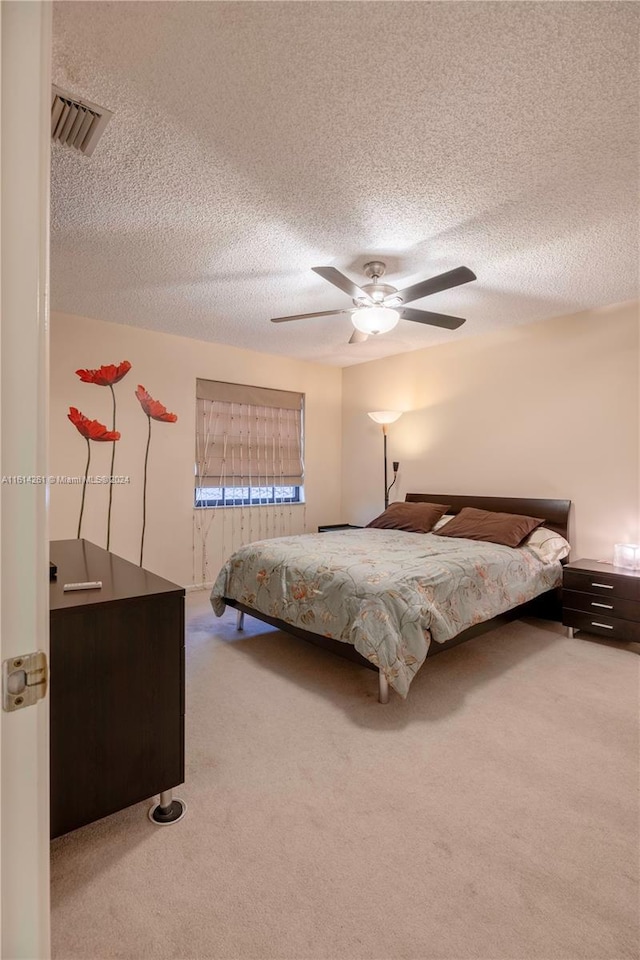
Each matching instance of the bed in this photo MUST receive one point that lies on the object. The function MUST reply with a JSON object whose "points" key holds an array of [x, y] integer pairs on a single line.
{"points": [[390, 599]]}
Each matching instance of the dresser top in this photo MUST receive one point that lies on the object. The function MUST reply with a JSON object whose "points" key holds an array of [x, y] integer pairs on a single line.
{"points": [[80, 560], [597, 566]]}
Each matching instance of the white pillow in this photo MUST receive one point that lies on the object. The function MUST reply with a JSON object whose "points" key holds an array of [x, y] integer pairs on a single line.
{"points": [[547, 545], [441, 522]]}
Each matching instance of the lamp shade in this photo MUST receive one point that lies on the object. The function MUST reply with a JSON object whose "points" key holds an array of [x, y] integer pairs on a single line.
{"points": [[385, 416], [627, 555], [375, 319]]}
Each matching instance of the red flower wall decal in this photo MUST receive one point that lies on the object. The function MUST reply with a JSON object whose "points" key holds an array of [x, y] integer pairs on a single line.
{"points": [[106, 376], [90, 430], [153, 408], [154, 411]]}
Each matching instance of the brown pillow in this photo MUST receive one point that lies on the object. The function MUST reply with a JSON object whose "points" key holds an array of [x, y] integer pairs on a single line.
{"points": [[509, 529], [413, 517]]}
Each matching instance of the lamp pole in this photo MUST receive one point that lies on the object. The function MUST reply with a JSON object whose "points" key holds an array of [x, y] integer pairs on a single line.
{"points": [[386, 489], [384, 418]]}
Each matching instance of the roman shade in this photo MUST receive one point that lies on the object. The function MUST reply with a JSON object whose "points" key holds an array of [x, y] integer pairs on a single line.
{"points": [[247, 435]]}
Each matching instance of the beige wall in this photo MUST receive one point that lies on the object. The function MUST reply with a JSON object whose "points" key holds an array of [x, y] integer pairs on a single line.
{"points": [[548, 409], [542, 410], [168, 366]]}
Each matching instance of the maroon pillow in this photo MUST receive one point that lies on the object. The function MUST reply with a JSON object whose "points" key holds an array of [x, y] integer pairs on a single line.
{"points": [[509, 529], [413, 517]]}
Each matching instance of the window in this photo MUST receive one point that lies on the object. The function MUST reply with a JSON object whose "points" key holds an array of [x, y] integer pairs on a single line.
{"points": [[249, 445], [247, 496]]}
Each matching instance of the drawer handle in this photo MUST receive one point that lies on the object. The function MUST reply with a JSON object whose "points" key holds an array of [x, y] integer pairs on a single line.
{"points": [[607, 586], [605, 606], [607, 626]]}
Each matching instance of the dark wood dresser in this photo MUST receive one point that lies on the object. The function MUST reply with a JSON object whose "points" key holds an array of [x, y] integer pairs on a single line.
{"points": [[117, 685], [601, 599]]}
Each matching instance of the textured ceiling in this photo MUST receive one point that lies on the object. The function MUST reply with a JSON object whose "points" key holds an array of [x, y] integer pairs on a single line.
{"points": [[252, 141]]}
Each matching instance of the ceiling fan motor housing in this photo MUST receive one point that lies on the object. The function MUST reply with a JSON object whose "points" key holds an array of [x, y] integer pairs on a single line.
{"points": [[377, 292]]}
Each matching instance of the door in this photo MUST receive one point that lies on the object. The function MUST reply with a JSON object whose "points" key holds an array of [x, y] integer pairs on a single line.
{"points": [[25, 107]]}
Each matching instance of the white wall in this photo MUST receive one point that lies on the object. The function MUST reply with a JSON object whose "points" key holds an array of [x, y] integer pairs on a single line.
{"points": [[543, 410], [168, 367]]}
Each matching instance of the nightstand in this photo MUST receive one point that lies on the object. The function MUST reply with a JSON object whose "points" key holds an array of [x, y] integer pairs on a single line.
{"points": [[325, 528], [601, 599]]}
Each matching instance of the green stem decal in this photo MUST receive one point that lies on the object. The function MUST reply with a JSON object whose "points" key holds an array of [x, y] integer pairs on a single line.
{"points": [[84, 486], [113, 460], [144, 491]]}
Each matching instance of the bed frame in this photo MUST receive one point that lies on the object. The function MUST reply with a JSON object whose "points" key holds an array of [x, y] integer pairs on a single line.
{"points": [[547, 606]]}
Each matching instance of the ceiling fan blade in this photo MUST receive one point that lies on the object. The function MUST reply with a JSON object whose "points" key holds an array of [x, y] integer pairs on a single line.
{"points": [[303, 316], [444, 281], [339, 280], [435, 319], [358, 337]]}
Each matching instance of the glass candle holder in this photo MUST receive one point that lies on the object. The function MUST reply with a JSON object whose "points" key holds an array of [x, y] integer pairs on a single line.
{"points": [[627, 555]]}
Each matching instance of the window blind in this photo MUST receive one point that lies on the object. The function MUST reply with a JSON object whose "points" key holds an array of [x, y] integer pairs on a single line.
{"points": [[248, 435]]}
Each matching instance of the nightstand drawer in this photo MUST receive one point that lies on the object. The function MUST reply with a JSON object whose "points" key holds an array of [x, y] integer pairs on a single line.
{"points": [[602, 584], [603, 626], [608, 606]]}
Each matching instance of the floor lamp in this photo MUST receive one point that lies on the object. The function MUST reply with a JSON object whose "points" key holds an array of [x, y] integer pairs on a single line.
{"points": [[385, 417]]}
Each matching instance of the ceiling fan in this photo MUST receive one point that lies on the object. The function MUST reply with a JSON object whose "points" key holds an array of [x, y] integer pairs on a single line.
{"points": [[378, 306]]}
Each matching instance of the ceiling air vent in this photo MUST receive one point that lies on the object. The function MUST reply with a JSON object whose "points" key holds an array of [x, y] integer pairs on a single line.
{"points": [[77, 123]]}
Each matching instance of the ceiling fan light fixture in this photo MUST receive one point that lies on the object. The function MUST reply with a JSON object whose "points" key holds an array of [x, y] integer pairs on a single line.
{"points": [[377, 307], [375, 319]]}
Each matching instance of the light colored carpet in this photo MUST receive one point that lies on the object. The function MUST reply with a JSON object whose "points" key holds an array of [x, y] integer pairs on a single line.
{"points": [[492, 815]]}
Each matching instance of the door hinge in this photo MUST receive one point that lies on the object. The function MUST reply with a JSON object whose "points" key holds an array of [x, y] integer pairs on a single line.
{"points": [[24, 680]]}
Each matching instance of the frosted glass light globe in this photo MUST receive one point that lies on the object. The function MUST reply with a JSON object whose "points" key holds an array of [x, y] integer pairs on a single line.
{"points": [[375, 319]]}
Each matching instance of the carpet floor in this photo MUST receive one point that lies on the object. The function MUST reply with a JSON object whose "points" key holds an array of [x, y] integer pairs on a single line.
{"points": [[492, 815]]}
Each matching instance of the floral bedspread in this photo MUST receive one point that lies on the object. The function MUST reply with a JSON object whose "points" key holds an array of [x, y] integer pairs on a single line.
{"points": [[387, 592]]}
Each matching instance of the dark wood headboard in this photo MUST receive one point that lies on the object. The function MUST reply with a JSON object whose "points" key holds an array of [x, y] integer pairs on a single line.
{"points": [[554, 512]]}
